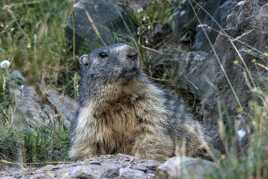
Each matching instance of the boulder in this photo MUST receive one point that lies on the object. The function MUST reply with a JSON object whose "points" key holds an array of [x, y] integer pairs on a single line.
{"points": [[192, 70], [29, 109], [209, 16], [244, 48], [225, 77], [37, 108], [96, 23], [212, 19], [107, 166], [65, 106], [186, 168]]}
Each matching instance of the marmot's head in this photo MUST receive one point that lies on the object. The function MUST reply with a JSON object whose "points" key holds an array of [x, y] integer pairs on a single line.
{"points": [[108, 71]]}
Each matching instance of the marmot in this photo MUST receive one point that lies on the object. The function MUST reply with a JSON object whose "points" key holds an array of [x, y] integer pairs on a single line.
{"points": [[122, 111]]}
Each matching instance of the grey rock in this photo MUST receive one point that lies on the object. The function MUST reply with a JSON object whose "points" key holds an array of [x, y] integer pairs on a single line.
{"points": [[213, 14], [29, 109], [96, 23], [64, 105], [135, 6], [7, 170], [117, 167], [37, 109], [17, 77], [193, 71], [223, 78], [202, 73], [126, 173], [182, 18], [262, 19], [209, 17], [185, 167], [249, 34]]}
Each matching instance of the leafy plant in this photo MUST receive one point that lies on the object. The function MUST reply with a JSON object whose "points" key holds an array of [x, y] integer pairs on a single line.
{"points": [[150, 17]]}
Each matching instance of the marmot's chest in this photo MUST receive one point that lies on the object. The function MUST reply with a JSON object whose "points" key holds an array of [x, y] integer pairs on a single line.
{"points": [[118, 128]]}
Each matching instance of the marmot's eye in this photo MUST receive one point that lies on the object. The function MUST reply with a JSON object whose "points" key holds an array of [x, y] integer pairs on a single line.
{"points": [[103, 54]]}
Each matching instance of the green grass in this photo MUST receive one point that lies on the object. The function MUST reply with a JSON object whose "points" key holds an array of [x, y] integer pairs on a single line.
{"points": [[37, 146], [147, 20], [46, 145], [32, 37], [253, 162]]}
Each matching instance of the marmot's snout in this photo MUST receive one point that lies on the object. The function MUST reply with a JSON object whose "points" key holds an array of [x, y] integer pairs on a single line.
{"points": [[132, 54], [129, 57]]}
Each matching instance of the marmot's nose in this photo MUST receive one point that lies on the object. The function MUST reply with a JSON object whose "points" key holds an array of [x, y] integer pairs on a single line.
{"points": [[132, 54]]}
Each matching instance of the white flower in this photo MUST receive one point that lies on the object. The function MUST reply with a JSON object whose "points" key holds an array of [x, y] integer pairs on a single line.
{"points": [[139, 10], [182, 13], [5, 64], [203, 26], [21, 87], [145, 18], [241, 133]]}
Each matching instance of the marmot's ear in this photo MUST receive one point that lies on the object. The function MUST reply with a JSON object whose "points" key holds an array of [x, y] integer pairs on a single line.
{"points": [[84, 60]]}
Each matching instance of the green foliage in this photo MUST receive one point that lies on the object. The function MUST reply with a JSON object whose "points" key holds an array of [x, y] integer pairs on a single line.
{"points": [[6, 100], [46, 144], [32, 34], [32, 38], [36, 145], [253, 161], [8, 142], [157, 12]]}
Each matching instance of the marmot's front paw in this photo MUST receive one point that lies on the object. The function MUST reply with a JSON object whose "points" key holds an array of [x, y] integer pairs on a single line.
{"points": [[153, 147], [151, 156], [77, 154]]}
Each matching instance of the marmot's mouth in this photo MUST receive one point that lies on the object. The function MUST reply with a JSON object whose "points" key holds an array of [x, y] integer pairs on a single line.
{"points": [[129, 73]]}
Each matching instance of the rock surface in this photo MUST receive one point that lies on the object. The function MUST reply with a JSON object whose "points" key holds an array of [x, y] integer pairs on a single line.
{"points": [[239, 59], [118, 167], [227, 73], [35, 109], [65, 106], [213, 14], [185, 168], [200, 15], [96, 23]]}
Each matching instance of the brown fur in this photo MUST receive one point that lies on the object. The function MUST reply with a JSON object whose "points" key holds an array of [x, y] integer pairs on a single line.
{"points": [[130, 124]]}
